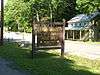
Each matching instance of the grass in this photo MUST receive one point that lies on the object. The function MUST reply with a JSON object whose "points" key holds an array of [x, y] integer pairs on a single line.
{"points": [[49, 62]]}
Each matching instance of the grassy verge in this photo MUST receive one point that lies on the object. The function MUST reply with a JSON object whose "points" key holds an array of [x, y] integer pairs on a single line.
{"points": [[49, 62]]}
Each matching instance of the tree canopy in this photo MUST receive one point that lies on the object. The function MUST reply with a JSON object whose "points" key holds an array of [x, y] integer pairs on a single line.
{"points": [[19, 13], [88, 6]]}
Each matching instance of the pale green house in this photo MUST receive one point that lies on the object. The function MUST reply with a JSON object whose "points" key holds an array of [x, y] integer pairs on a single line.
{"points": [[84, 27]]}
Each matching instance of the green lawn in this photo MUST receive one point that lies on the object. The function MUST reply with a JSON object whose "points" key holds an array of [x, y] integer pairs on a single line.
{"points": [[49, 62]]}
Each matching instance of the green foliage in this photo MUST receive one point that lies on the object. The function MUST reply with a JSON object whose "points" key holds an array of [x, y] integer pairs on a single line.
{"points": [[88, 6], [18, 13]]}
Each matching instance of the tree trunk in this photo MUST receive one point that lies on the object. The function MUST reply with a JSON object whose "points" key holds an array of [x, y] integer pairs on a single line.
{"points": [[51, 14], [18, 25], [2, 22], [37, 16]]}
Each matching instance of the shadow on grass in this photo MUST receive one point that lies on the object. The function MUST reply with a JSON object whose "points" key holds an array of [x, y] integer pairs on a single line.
{"points": [[52, 64], [43, 63]]}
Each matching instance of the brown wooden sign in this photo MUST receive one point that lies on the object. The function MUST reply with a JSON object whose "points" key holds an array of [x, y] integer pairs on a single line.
{"points": [[48, 36]]}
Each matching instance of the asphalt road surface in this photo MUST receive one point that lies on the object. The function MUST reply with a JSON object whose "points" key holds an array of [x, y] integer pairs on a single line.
{"points": [[5, 69]]}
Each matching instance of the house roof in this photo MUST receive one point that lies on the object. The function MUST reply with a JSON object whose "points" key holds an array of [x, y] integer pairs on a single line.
{"points": [[83, 17], [93, 15], [78, 18]]}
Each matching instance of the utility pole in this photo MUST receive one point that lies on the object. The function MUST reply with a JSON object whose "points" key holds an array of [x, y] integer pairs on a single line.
{"points": [[2, 22]]}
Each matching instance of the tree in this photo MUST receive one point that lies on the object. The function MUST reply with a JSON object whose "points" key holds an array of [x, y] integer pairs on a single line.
{"points": [[88, 6], [19, 13]]}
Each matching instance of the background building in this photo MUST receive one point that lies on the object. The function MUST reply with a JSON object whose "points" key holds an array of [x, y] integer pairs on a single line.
{"points": [[84, 27]]}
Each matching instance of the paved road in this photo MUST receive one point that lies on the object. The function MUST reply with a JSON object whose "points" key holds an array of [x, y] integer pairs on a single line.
{"points": [[5, 69], [18, 36], [87, 50]]}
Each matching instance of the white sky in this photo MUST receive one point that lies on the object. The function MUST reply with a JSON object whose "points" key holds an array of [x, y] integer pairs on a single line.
{"points": [[4, 3]]}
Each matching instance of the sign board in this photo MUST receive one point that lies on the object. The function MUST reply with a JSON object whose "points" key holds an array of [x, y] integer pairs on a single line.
{"points": [[48, 36]]}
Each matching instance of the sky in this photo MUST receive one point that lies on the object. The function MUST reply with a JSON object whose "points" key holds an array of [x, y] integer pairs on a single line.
{"points": [[5, 1]]}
